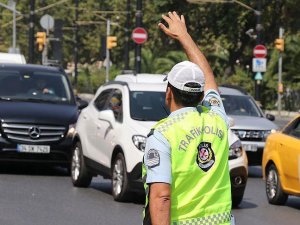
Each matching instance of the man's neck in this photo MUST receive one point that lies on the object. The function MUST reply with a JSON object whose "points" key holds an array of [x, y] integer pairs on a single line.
{"points": [[175, 107]]}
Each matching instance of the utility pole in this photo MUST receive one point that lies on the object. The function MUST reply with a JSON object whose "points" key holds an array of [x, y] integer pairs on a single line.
{"points": [[76, 45], [138, 47], [127, 38], [281, 31], [31, 32], [259, 28], [107, 59]]}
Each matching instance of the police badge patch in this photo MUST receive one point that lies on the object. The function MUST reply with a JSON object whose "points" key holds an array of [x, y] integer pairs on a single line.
{"points": [[214, 102], [153, 158], [206, 156]]}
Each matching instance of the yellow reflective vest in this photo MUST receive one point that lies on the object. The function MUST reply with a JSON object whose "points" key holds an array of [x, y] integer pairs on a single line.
{"points": [[200, 189]]}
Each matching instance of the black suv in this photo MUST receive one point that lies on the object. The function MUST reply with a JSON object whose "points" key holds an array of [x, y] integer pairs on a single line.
{"points": [[38, 112]]}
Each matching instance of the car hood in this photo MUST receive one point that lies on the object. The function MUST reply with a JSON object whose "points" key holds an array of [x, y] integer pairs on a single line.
{"points": [[142, 127], [232, 138], [31, 112], [252, 123]]}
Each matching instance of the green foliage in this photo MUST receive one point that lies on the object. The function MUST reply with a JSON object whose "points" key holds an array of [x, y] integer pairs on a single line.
{"points": [[91, 77], [241, 78]]}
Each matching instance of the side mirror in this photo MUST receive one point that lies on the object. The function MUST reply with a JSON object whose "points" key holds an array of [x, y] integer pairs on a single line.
{"points": [[108, 116], [230, 121], [81, 103], [270, 117]]}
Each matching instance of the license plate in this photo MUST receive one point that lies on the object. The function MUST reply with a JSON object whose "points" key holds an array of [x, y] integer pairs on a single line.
{"points": [[34, 148], [250, 147]]}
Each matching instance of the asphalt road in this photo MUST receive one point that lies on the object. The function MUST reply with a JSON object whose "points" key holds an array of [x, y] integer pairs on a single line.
{"points": [[45, 196], [255, 208], [39, 195]]}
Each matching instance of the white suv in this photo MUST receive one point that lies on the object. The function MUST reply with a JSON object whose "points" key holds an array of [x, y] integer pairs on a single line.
{"points": [[112, 131]]}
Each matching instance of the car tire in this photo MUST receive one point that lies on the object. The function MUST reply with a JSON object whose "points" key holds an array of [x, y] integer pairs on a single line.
{"points": [[237, 200], [80, 175], [119, 179], [275, 194]]}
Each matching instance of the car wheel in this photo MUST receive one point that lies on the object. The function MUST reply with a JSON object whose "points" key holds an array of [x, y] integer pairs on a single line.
{"points": [[237, 200], [81, 177], [274, 190], [119, 179]]}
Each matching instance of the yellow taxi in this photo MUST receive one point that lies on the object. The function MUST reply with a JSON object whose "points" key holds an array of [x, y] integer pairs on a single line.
{"points": [[281, 163]]}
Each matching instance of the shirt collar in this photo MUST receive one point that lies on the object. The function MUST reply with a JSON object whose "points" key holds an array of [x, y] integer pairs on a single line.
{"points": [[182, 110]]}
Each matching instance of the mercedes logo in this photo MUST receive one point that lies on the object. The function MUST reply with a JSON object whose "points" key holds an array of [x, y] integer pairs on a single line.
{"points": [[34, 132]]}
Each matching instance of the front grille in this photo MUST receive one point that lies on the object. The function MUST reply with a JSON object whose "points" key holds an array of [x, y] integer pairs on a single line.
{"points": [[32, 132], [252, 135]]}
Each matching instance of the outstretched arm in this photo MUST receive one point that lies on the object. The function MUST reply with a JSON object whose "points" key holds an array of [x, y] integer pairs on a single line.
{"points": [[177, 30]]}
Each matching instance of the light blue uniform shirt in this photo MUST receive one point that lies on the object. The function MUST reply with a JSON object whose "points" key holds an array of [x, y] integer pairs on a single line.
{"points": [[157, 157]]}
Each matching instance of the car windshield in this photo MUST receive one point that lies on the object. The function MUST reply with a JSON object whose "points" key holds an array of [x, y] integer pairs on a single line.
{"points": [[240, 106], [34, 86], [148, 105]]}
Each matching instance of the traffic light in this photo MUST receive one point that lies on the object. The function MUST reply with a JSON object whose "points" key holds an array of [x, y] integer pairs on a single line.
{"points": [[280, 88], [111, 42], [279, 44], [41, 38]]}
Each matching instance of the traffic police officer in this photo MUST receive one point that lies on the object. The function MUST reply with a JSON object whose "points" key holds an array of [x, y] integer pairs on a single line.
{"points": [[185, 166]]}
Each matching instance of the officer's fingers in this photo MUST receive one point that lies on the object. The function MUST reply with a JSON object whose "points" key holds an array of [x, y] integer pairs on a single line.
{"points": [[182, 19], [166, 18], [176, 15], [171, 15], [163, 28]]}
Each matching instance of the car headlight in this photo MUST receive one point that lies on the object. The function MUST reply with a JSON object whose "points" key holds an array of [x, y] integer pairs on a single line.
{"points": [[71, 130], [266, 134], [235, 150], [139, 142]]}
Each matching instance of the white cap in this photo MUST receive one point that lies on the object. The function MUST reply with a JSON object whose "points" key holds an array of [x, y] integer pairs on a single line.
{"points": [[186, 72]]}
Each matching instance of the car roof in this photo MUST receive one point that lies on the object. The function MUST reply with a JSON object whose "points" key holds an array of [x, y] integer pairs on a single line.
{"points": [[12, 58], [231, 91], [142, 78], [143, 82], [29, 67]]}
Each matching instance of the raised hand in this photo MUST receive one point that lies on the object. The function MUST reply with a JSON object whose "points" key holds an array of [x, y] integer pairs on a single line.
{"points": [[176, 25]]}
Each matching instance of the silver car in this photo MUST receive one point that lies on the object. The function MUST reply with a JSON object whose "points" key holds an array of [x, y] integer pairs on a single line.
{"points": [[251, 125]]}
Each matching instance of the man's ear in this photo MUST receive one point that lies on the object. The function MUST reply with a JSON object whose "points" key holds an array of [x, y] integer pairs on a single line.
{"points": [[169, 94], [168, 97]]}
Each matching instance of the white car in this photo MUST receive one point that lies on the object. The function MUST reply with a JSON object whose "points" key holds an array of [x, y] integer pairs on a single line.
{"points": [[112, 131]]}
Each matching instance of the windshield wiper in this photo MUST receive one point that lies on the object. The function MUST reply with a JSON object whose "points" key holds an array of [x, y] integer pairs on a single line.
{"points": [[35, 100], [5, 98], [139, 118]]}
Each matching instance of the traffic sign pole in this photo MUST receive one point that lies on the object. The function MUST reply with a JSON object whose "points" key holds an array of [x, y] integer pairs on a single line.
{"points": [[138, 48], [259, 65]]}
